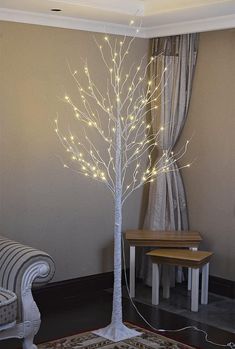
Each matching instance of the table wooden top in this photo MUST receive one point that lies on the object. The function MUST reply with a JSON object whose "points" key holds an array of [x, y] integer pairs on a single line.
{"points": [[181, 257], [163, 238]]}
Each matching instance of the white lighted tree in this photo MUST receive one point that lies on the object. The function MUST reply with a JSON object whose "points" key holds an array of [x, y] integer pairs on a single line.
{"points": [[118, 115]]}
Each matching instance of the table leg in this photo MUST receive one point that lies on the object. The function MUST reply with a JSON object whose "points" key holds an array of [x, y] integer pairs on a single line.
{"points": [[155, 284], [190, 271], [172, 276], [195, 289], [132, 271], [189, 279], [166, 281], [204, 290], [179, 275]]}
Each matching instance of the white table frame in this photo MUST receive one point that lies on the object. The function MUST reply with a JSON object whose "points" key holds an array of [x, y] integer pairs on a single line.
{"points": [[194, 285], [132, 271]]}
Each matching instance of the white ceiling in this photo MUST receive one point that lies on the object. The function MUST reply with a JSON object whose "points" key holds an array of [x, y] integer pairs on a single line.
{"points": [[157, 17]]}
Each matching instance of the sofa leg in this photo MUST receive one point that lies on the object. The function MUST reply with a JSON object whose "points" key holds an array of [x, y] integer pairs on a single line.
{"points": [[28, 343]]}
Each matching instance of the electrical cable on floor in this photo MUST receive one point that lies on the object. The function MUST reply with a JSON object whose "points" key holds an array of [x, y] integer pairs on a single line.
{"points": [[228, 345]]}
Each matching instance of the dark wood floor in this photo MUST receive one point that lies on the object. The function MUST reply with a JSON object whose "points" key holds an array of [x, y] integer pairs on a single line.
{"points": [[93, 311]]}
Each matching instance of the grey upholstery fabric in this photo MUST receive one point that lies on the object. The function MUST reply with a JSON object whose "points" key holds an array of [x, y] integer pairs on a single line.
{"points": [[15, 258], [8, 306]]}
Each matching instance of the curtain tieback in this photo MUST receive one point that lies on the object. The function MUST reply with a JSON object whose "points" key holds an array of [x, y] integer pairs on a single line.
{"points": [[166, 152]]}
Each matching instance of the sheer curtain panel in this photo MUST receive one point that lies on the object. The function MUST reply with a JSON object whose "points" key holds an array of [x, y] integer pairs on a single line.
{"points": [[167, 209]]}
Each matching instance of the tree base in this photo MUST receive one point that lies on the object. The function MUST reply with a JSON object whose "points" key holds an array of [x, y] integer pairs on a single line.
{"points": [[117, 333]]}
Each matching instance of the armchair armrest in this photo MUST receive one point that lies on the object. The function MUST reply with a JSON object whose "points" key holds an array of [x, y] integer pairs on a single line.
{"points": [[20, 267]]}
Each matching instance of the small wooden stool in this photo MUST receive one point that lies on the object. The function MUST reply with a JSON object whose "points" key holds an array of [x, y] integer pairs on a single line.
{"points": [[183, 258]]}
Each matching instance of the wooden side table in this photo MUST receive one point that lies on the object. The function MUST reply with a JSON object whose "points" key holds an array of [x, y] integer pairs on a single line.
{"points": [[183, 258], [150, 238]]}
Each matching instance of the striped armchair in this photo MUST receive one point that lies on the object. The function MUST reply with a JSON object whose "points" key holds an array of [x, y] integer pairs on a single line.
{"points": [[20, 268]]}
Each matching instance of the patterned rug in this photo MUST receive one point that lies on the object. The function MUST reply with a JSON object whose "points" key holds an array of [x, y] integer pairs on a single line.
{"points": [[88, 340]]}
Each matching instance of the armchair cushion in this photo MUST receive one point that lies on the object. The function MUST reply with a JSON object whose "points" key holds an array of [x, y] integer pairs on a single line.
{"points": [[8, 306]]}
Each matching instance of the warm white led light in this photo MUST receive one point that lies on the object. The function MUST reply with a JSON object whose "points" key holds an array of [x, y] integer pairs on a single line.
{"points": [[118, 111]]}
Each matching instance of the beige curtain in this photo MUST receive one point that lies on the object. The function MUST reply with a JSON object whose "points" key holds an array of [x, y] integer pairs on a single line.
{"points": [[167, 209]]}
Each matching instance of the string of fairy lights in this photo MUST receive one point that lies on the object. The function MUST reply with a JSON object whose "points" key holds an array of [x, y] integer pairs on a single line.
{"points": [[124, 107], [130, 97]]}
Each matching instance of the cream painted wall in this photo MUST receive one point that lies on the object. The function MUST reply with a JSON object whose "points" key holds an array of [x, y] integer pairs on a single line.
{"points": [[210, 182], [70, 217], [42, 204]]}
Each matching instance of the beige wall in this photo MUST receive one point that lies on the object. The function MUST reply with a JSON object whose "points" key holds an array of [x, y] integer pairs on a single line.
{"points": [[210, 182], [64, 214], [41, 203]]}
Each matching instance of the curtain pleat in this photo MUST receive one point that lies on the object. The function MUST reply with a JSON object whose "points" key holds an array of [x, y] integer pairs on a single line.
{"points": [[167, 209]]}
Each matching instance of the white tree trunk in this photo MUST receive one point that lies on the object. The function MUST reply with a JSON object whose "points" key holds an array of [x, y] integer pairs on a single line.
{"points": [[117, 331], [117, 286]]}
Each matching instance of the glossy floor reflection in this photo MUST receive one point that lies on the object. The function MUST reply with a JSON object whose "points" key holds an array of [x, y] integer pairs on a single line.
{"points": [[219, 312], [94, 310]]}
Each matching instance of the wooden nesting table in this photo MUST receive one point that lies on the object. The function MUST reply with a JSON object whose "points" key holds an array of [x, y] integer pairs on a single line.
{"points": [[152, 238], [183, 258]]}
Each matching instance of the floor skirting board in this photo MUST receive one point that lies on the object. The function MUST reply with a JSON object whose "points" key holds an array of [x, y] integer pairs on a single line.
{"points": [[69, 291], [223, 287]]}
